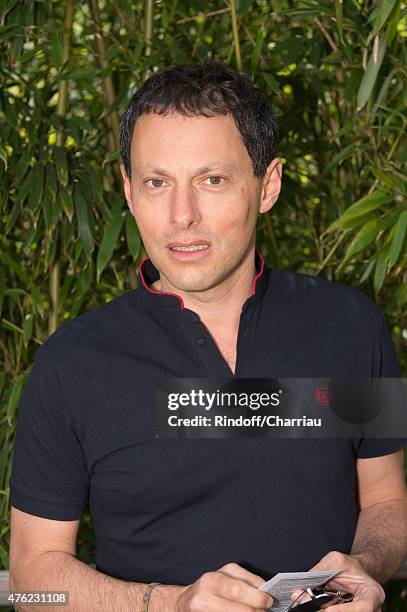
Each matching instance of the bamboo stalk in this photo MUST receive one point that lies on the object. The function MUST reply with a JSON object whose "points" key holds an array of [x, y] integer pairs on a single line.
{"points": [[236, 42], [63, 85], [54, 278], [108, 88], [331, 253], [210, 14], [148, 24]]}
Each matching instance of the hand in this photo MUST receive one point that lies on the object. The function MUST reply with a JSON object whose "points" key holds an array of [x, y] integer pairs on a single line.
{"points": [[368, 595], [231, 588]]}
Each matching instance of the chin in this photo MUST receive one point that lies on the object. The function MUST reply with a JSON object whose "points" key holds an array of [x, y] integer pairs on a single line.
{"points": [[193, 282]]}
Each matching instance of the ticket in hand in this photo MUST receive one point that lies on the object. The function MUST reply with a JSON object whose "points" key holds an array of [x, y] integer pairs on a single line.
{"points": [[282, 585]]}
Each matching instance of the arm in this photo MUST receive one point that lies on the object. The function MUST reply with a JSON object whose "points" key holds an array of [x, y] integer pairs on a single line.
{"points": [[42, 558], [380, 542]]}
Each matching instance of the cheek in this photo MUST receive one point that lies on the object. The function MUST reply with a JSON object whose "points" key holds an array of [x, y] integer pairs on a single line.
{"points": [[150, 228], [142, 211], [238, 212], [148, 224]]}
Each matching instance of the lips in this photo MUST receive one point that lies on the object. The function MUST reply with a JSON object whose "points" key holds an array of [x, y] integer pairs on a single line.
{"points": [[189, 243], [189, 251]]}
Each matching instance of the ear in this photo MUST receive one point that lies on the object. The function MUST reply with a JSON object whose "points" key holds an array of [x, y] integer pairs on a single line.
{"points": [[127, 188], [271, 185]]}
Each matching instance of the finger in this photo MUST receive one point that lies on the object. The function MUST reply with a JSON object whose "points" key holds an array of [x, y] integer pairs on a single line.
{"points": [[352, 606], [223, 605], [346, 580], [237, 571], [239, 591], [364, 589], [219, 604]]}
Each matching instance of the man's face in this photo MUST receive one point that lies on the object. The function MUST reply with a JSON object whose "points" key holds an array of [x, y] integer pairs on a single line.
{"points": [[192, 181]]}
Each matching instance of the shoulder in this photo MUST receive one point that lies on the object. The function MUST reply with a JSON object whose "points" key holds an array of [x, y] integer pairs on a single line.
{"points": [[98, 327], [329, 299]]}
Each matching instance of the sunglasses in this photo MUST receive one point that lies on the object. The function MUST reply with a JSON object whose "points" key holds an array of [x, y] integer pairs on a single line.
{"points": [[320, 599]]}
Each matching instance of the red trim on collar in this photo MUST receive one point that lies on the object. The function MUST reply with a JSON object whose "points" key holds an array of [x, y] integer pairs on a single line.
{"points": [[153, 290], [260, 272]]}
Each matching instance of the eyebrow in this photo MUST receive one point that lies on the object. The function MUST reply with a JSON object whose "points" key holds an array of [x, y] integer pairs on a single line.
{"points": [[208, 168]]}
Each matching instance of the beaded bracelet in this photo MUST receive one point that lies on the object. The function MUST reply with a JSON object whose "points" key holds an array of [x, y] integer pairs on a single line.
{"points": [[147, 595]]}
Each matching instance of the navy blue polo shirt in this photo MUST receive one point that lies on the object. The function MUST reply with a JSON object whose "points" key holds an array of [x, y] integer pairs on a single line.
{"points": [[171, 509]]}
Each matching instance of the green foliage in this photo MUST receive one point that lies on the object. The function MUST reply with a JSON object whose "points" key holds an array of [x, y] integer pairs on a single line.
{"points": [[336, 72]]}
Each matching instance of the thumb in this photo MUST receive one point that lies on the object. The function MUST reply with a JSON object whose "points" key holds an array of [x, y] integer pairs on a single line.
{"points": [[324, 564], [332, 560]]}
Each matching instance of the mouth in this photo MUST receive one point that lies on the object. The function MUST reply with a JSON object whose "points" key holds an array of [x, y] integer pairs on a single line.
{"points": [[195, 250], [192, 247]]}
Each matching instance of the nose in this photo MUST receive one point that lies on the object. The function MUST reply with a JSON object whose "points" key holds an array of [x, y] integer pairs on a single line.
{"points": [[184, 208]]}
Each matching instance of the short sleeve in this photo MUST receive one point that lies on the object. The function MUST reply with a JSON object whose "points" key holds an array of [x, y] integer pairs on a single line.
{"points": [[49, 477], [384, 365]]}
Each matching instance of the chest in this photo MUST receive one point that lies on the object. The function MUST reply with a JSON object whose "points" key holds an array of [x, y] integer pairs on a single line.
{"points": [[228, 349]]}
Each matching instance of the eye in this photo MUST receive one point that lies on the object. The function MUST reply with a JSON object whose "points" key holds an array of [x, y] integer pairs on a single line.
{"points": [[217, 178], [154, 181]]}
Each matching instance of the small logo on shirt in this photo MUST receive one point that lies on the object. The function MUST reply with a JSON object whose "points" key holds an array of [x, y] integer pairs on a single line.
{"points": [[323, 396]]}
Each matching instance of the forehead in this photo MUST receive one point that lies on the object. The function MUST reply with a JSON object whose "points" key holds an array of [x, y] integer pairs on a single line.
{"points": [[172, 138]]}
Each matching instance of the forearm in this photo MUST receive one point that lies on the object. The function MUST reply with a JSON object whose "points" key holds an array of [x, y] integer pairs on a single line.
{"points": [[88, 589], [380, 542]]}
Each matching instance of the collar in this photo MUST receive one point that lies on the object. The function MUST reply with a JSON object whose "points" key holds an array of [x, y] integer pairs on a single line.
{"points": [[172, 301]]}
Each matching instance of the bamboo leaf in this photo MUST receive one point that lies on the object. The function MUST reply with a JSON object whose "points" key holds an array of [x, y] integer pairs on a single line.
{"points": [[61, 165], [65, 200], [369, 78], [381, 96], [47, 212], [271, 82], [24, 276], [15, 395], [338, 158], [27, 328], [365, 236], [339, 17], [366, 204], [354, 222], [110, 235], [393, 23], [2, 287], [3, 461], [244, 6], [37, 185], [382, 176], [14, 214], [380, 270], [398, 238], [81, 208], [257, 49], [10, 31], [57, 49], [111, 157], [399, 297], [51, 180], [6, 7], [381, 14], [26, 187], [3, 157], [366, 274], [132, 236], [76, 75]]}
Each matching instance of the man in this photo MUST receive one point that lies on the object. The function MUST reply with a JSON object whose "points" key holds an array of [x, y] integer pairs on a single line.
{"points": [[209, 519]]}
